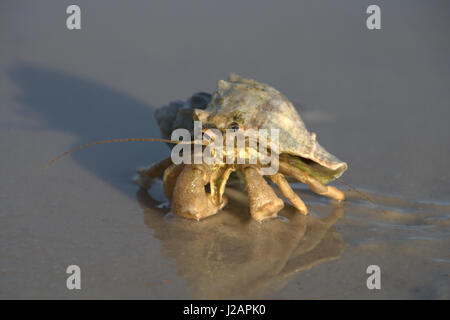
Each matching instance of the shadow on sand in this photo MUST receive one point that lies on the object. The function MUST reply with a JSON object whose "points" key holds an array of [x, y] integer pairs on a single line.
{"points": [[89, 111]]}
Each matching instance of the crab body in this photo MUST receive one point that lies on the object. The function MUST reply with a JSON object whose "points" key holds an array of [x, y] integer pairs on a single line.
{"points": [[245, 104]]}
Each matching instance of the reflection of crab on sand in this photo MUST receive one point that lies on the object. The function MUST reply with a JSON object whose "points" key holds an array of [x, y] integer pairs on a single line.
{"points": [[231, 257], [236, 104]]}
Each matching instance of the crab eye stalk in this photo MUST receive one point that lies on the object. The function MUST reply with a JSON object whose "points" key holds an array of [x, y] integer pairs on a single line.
{"points": [[234, 126]]}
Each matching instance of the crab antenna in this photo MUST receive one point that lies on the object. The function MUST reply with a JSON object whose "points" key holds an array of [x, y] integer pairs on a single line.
{"points": [[117, 140]]}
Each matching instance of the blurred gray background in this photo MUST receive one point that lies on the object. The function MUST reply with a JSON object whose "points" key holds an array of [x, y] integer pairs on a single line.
{"points": [[379, 100]]}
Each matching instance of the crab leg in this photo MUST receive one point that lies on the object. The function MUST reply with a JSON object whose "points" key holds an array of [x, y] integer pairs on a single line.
{"points": [[263, 201], [146, 175], [315, 185], [218, 182], [287, 191], [189, 198]]}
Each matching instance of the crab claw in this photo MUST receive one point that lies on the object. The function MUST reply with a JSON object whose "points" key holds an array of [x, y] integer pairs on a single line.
{"points": [[189, 198]]}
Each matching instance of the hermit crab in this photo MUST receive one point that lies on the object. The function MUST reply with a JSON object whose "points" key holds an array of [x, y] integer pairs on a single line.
{"points": [[196, 190], [238, 106]]}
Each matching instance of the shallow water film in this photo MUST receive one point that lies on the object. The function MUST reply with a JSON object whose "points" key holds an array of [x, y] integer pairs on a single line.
{"points": [[377, 99]]}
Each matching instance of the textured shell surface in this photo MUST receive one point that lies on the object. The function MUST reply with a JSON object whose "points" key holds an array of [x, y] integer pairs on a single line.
{"points": [[255, 105]]}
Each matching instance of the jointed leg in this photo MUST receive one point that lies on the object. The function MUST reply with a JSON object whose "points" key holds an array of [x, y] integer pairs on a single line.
{"points": [[263, 201], [287, 191], [327, 191], [315, 185], [189, 198], [218, 181], [146, 175]]}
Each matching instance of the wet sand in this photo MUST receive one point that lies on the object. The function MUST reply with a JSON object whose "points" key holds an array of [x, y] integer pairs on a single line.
{"points": [[377, 99]]}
